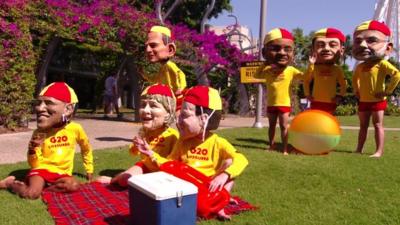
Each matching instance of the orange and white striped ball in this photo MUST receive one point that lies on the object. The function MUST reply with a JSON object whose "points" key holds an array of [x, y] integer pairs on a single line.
{"points": [[314, 132]]}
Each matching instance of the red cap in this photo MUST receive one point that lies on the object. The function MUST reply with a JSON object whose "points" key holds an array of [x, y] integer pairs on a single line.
{"points": [[330, 32], [158, 89], [373, 25], [204, 96], [60, 91]]}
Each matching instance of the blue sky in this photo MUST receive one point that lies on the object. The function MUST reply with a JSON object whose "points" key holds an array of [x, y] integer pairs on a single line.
{"points": [[310, 15]]}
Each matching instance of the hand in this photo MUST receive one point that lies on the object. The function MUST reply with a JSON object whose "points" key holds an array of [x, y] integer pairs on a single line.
{"points": [[218, 182], [380, 95], [121, 179], [36, 141], [142, 146], [312, 58], [89, 176]]}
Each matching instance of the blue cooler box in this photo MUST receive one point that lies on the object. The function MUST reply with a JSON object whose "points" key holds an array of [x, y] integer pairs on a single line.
{"points": [[161, 199]]}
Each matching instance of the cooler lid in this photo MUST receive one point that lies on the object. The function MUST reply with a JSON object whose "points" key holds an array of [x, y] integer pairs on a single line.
{"points": [[161, 185]]}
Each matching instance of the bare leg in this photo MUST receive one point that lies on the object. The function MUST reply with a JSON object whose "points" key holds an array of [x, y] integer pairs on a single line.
{"points": [[65, 184], [362, 134], [377, 121], [6, 182], [31, 190], [272, 119], [115, 103], [283, 124]]}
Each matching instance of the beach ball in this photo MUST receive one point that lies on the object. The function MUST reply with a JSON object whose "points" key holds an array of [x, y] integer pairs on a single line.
{"points": [[314, 132]]}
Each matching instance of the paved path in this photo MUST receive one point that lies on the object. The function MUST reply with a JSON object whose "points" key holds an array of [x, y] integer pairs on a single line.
{"points": [[105, 134]]}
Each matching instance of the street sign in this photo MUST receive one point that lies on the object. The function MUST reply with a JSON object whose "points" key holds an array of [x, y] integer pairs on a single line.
{"points": [[247, 71]]}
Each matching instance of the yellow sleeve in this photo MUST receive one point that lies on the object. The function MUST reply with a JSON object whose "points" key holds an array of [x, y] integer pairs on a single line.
{"points": [[181, 82], [35, 157], [308, 76], [86, 150], [355, 80], [178, 78], [239, 160], [394, 74], [342, 82], [297, 74], [261, 72]]}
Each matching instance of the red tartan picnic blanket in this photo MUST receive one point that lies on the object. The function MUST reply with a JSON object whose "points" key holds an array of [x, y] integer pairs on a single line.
{"points": [[97, 204]]}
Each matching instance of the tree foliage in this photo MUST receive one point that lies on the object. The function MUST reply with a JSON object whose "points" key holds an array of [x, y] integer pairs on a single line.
{"points": [[27, 27], [189, 12]]}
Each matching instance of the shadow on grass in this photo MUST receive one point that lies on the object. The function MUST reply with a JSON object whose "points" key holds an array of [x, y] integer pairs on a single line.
{"points": [[110, 172], [342, 151], [113, 139], [19, 174], [252, 141], [118, 219], [83, 176]]}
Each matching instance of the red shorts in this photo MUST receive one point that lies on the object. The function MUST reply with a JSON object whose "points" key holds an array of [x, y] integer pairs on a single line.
{"points": [[324, 106], [372, 106], [144, 167], [278, 109], [49, 177]]}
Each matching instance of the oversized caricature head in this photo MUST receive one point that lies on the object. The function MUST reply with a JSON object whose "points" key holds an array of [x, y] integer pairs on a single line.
{"points": [[55, 105], [159, 44], [157, 107], [278, 47], [201, 111], [328, 45], [371, 40]]}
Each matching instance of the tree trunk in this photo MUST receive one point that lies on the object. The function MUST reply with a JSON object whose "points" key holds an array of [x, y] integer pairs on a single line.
{"points": [[41, 76], [243, 99], [209, 9], [171, 9], [136, 88], [158, 6]]}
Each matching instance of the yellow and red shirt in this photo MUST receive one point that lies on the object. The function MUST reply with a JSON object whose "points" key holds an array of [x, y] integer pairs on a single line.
{"points": [[161, 142], [325, 79], [170, 75], [278, 83], [56, 154], [369, 79], [206, 156]]}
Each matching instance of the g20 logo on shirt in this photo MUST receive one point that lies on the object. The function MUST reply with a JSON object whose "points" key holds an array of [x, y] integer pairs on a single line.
{"points": [[59, 139], [158, 139], [199, 151]]}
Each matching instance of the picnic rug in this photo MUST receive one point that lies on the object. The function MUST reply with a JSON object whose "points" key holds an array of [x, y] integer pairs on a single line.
{"points": [[97, 203]]}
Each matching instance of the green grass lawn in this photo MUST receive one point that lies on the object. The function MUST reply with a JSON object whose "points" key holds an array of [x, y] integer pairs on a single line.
{"points": [[339, 188], [389, 121]]}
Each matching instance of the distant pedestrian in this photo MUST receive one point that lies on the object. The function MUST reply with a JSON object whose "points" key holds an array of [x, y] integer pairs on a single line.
{"points": [[111, 95]]}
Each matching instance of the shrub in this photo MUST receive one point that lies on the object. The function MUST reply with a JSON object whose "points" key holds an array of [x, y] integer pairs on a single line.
{"points": [[392, 110], [346, 110]]}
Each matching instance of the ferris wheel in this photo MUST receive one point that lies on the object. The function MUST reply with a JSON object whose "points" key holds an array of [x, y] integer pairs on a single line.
{"points": [[388, 11]]}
